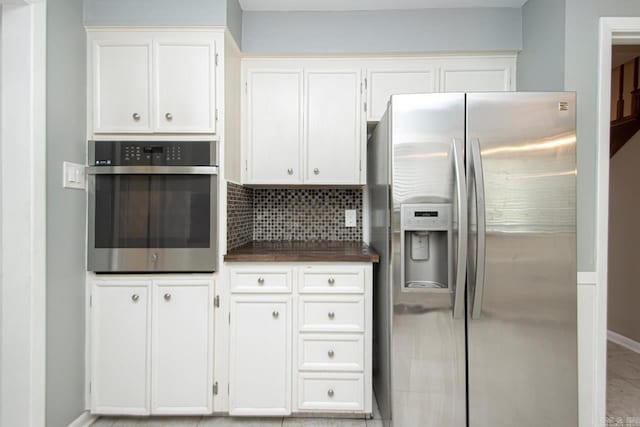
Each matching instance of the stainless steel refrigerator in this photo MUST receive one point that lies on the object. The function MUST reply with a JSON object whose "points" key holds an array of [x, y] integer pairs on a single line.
{"points": [[473, 211]]}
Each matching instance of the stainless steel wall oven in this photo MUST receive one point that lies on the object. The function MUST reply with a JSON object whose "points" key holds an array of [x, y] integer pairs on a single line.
{"points": [[152, 206]]}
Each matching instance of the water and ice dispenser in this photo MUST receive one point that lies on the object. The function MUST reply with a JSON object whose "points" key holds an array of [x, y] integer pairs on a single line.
{"points": [[426, 246]]}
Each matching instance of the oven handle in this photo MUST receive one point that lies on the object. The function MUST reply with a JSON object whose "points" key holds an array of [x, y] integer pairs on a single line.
{"points": [[152, 170]]}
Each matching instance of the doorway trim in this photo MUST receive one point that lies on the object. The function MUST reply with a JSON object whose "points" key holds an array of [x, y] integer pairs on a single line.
{"points": [[611, 29]]}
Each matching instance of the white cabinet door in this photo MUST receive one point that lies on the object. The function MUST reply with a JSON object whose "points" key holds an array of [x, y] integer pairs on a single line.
{"points": [[274, 128], [386, 81], [120, 343], [185, 89], [476, 76], [182, 362], [260, 355], [333, 126], [121, 85]]}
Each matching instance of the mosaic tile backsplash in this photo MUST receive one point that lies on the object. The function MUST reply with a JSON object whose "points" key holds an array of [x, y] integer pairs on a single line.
{"points": [[239, 215], [291, 214]]}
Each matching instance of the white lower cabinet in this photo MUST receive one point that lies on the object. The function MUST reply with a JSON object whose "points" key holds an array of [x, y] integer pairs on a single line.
{"points": [[260, 355], [305, 347], [151, 346]]}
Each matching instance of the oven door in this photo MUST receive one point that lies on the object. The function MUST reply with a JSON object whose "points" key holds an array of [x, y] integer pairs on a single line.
{"points": [[152, 218]]}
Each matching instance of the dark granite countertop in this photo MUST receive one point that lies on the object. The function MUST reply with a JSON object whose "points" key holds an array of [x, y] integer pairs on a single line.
{"points": [[296, 251]]}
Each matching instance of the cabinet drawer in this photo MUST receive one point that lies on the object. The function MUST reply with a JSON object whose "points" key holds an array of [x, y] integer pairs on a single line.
{"points": [[327, 281], [257, 281], [345, 314], [331, 392], [331, 352]]}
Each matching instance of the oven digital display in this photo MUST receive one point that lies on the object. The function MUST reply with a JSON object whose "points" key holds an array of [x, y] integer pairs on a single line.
{"points": [[425, 214]]}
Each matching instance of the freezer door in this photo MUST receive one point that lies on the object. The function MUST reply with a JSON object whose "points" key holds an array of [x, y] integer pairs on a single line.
{"points": [[521, 311], [427, 291]]}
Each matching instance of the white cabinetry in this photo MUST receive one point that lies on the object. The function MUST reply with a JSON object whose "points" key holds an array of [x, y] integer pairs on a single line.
{"points": [[151, 346], [300, 338], [274, 126], [333, 127], [477, 75], [260, 355], [153, 81]]}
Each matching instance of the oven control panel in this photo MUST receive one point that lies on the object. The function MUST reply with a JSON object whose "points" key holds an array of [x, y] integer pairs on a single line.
{"points": [[156, 153]]}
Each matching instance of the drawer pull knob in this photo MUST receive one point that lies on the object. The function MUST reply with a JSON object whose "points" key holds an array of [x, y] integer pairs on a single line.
{"points": [[316, 171], [135, 297], [331, 281], [331, 315], [168, 116], [136, 117], [330, 392], [167, 297], [261, 280], [290, 171], [275, 314], [330, 353]]}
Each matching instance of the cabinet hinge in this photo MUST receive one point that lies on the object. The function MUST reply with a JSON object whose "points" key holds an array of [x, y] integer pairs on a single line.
{"points": [[216, 301], [360, 87], [246, 87], [216, 59], [365, 107], [246, 165], [90, 301], [89, 387], [365, 83], [216, 114], [229, 318], [215, 387]]}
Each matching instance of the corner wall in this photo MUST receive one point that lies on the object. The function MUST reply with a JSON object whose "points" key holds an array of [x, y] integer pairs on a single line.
{"points": [[66, 213], [541, 61]]}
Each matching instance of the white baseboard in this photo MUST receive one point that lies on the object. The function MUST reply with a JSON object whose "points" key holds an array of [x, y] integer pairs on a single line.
{"points": [[623, 341], [84, 420]]}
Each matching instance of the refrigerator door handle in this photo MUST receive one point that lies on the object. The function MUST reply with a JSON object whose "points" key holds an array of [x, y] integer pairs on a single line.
{"points": [[461, 268], [481, 252]]}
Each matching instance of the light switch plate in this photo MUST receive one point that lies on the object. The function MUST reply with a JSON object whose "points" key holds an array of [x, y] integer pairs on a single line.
{"points": [[73, 176], [350, 218]]}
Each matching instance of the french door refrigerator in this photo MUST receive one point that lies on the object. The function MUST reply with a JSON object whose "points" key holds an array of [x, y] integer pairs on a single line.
{"points": [[473, 211]]}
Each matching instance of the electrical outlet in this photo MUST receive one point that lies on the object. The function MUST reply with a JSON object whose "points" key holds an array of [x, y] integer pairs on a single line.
{"points": [[350, 218]]}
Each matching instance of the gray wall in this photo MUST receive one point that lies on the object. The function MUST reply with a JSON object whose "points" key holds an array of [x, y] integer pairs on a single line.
{"points": [[155, 12], [624, 234], [541, 62], [234, 21], [66, 213], [581, 75], [432, 30]]}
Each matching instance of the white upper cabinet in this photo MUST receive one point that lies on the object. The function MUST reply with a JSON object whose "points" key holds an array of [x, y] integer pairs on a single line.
{"points": [[477, 75], [121, 89], [333, 127], [274, 126], [402, 77], [153, 81], [184, 85]]}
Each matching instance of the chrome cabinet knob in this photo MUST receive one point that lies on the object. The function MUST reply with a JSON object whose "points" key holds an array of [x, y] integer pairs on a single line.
{"points": [[167, 297], [316, 171], [275, 314], [330, 392], [136, 117], [290, 171], [330, 353], [168, 116], [135, 297], [331, 281], [261, 280], [331, 315]]}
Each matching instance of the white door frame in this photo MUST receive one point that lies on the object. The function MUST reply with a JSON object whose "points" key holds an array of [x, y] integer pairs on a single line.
{"points": [[610, 29], [22, 212]]}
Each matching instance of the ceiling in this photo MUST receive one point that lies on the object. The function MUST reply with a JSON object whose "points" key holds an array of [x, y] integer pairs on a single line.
{"points": [[342, 5]]}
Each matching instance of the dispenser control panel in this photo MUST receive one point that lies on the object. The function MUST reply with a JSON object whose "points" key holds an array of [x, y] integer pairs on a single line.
{"points": [[426, 216]]}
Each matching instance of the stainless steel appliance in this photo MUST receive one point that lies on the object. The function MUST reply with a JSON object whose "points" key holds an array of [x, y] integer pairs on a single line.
{"points": [[152, 206], [473, 212]]}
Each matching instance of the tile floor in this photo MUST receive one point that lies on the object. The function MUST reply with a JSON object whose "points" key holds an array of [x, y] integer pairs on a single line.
{"points": [[238, 422], [623, 387]]}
